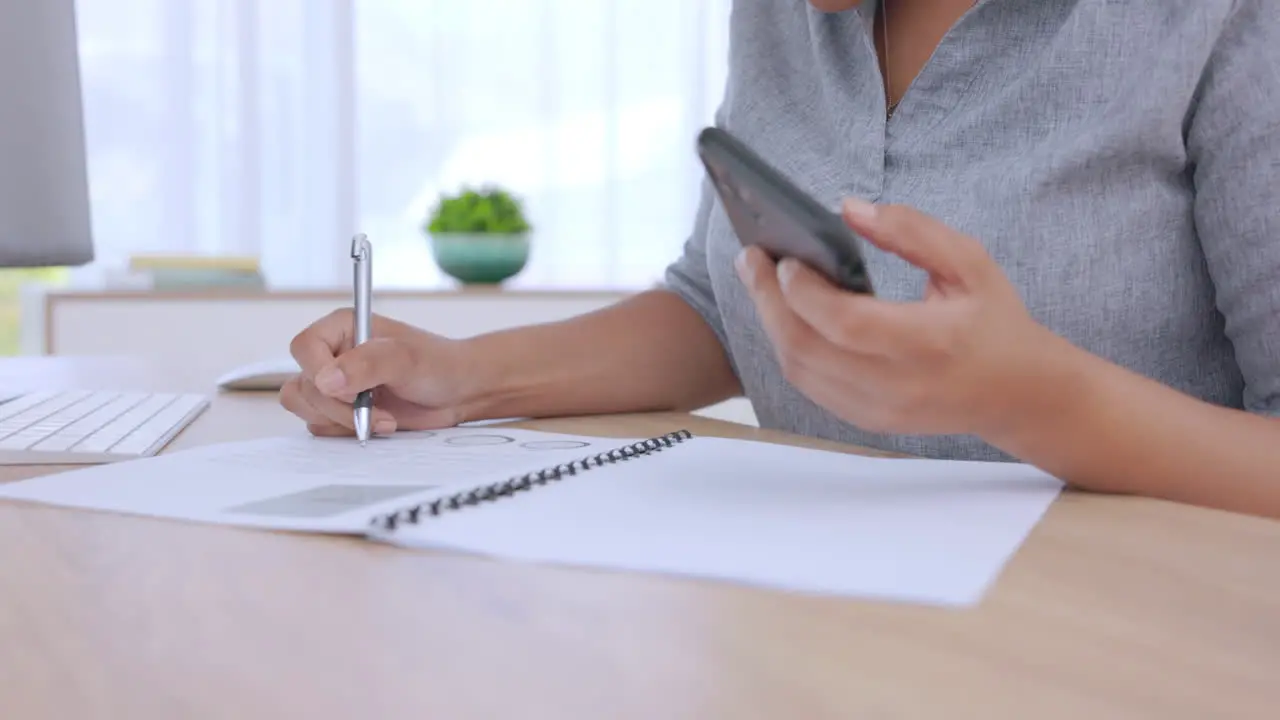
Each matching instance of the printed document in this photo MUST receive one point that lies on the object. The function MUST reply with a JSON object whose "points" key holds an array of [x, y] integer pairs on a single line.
{"points": [[306, 483]]}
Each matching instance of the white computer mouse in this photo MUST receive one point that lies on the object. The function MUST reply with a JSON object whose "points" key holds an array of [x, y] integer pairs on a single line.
{"points": [[262, 375]]}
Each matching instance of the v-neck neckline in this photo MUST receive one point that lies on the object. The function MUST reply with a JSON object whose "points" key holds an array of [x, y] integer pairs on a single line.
{"points": [[870, 11]]}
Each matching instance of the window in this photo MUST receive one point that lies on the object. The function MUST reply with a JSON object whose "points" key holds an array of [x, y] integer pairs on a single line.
{"points": [[279, 129]]}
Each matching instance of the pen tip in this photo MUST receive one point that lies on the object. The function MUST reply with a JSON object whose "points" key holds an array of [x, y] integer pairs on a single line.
{"points": [[362, 427]]}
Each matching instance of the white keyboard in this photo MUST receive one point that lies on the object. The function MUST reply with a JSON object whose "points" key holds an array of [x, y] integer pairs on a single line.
{"points": [[77, 427]]}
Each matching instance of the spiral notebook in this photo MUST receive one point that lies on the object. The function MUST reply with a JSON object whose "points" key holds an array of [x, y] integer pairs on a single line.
{"points": [[388, 523], [816, 522], [676, 505]]}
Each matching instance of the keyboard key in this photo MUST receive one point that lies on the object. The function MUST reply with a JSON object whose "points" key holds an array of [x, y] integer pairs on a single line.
{"points": [[15, 406]]}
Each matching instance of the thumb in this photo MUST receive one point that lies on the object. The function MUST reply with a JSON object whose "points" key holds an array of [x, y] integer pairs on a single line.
{"points": [[948, 255], [381, 361]]}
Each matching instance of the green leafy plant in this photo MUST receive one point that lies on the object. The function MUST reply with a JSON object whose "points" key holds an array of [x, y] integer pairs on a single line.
{"points": [[486, 211]]}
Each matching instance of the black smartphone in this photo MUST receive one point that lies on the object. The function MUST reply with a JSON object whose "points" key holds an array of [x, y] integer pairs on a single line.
{"points": [[768, 210]]}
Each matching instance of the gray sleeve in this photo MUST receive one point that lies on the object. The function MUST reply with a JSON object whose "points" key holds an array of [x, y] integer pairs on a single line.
{"points": [[688, 275], [1233, 142]]}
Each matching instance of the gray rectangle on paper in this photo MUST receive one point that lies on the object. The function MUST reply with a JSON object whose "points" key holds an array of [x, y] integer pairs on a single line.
{"points": [[326, 500]]}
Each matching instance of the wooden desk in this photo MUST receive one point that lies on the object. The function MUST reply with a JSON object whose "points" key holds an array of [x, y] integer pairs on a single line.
{"points": [[1113, 608]]}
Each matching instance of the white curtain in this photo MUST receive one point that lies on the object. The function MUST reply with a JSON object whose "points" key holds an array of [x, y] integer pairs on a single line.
{"points": [[280, 127]]}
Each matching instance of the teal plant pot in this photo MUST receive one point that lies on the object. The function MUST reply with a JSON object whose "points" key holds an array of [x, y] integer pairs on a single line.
{"points": [[480, 259]]}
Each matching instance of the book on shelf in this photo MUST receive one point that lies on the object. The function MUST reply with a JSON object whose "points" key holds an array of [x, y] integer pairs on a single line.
{"points": [[193, 271]]}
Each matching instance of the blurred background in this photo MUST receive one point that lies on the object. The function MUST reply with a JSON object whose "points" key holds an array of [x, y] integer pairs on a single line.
{"points": [[272, 129]]}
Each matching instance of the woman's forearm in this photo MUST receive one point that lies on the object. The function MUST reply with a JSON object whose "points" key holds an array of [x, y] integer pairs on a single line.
{"points": [[649, 352], [1100, 427]]}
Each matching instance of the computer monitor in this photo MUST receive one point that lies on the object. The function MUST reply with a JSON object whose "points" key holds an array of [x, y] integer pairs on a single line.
{"points": [[44, 196]]}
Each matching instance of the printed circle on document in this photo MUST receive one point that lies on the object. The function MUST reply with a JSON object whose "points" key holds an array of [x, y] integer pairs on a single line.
{"points": [[479, 440]]}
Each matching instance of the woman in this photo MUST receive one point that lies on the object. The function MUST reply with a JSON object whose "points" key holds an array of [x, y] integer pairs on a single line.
{"points": [[1073, 216]]}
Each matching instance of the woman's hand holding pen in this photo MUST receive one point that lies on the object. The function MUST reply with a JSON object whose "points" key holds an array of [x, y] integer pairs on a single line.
{"points": [[418, 378]]}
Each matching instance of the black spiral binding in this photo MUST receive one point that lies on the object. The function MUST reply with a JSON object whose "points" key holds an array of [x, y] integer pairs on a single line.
{"points": [[521, 483]]}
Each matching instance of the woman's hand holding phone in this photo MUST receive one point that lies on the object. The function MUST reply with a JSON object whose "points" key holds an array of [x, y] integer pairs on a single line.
{"points": [[965, 359]]}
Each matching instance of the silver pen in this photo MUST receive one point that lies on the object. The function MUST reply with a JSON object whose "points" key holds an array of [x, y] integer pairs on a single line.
{"points": [[362, 255]]}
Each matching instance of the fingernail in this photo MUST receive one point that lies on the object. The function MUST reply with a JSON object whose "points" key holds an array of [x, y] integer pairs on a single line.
{"points": [[786, 271], [384, 427], [859, 208], [330, 380], [743, 263]]}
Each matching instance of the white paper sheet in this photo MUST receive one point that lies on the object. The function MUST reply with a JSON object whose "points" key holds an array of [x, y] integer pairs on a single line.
{"points": [[924, 531], [307, 483]]}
